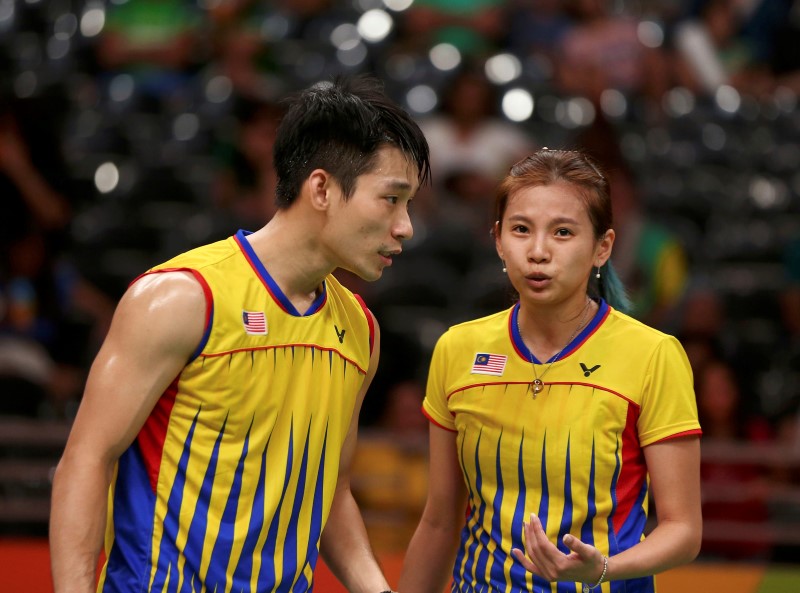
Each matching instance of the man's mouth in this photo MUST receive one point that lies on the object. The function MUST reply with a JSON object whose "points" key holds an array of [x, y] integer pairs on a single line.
{"points": [[387, 255]]}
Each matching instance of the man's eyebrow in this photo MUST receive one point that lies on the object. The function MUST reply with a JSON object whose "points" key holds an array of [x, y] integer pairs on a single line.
{"points": [[398, 184]]}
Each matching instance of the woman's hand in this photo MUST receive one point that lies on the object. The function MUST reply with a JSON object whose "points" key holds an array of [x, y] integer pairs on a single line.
{"points": [[583, 564]]}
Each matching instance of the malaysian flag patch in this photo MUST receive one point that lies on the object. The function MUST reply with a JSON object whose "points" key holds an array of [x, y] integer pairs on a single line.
{"points": [[255, 323], [489, 364]]}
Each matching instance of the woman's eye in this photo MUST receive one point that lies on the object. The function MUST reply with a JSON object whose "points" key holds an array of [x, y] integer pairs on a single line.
{"points": [[563, 232]]}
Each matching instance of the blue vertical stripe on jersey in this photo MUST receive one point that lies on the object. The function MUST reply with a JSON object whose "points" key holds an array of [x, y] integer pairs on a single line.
{"points": [[167, 562], [312, 553], [477, 517], [266, 576], [193, 551], [458, 566], [544, 506], [216, 578], [613, 548], [290, 540], [566, 518], [628, 534], [587, 533], [134, 504], [497, 575], [518, 572], [243, 572]]}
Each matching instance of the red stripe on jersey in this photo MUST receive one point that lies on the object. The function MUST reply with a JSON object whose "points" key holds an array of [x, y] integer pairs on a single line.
{"points": [[686, 433], [154, 432], [633, 473], [429, 417], [370, 321]]}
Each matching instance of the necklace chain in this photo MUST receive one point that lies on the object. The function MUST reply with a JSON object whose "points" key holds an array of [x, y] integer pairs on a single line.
{"points": [[538, 383]]}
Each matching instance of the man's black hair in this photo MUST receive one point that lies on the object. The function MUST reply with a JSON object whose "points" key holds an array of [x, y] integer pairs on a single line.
{"points": [[339, 127]]}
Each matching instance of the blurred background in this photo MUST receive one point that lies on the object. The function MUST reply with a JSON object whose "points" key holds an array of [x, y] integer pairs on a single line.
{"points": [[133, 130]]}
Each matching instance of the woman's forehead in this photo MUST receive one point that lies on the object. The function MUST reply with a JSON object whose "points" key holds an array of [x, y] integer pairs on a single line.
{"points": [[555, 196]]}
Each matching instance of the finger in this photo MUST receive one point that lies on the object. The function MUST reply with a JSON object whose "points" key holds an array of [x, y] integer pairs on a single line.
{"points": [[584, 551], [524, 560], [537, 529], [529, 542], [539, 539]]}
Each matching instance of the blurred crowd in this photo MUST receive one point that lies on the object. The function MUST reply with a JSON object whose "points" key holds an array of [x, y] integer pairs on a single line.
{"points": [[132, 130]]}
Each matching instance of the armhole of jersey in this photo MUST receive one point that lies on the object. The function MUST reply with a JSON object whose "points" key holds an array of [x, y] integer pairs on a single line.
{"points": [[432, 420], [209, 320], [686, 433], [370, 321]]}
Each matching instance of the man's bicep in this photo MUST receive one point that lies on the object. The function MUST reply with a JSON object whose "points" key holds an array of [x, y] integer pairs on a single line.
{"points": [[157, 326]]}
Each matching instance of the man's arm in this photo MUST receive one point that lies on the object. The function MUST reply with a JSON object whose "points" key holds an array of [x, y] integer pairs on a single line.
{"points": [[158, 324], [429, 560], [344, 543]]}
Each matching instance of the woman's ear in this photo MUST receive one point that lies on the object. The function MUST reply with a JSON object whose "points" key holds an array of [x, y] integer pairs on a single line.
{"points": [[604, 247], [496, 233]]}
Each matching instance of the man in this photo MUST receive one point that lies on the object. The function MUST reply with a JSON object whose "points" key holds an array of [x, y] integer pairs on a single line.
{"points": [[222, 409]]}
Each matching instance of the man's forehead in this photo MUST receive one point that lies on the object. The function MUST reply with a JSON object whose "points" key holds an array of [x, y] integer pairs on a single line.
{"points": [[396, 169]]}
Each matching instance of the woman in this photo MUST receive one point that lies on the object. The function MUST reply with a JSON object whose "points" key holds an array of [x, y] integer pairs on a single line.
{"points": [[552, 421]]}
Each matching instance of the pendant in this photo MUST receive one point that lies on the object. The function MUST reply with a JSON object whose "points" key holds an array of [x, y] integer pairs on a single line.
{"points": [[586, 588], [537, 386]]}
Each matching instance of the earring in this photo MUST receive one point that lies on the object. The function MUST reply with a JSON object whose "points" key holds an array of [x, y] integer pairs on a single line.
{"points": [[504, 266], [598, 273]]}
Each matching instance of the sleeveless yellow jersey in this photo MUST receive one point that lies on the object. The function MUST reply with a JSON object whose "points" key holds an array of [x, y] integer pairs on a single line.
{"points": [[229, 483], [572, 454]]}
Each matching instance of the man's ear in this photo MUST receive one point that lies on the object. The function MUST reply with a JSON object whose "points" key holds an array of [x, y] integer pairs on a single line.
{"points": [[319, 185]]}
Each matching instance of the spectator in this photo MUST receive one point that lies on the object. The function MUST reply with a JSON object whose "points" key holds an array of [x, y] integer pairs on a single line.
{"points": [[730, 42], [28, 149], [734, 490], [266, 48], [49, 315], [474, 27], [536, 29], [245, 182], [51, 320], [650, 259], [157, 42], [471, 148], [604, 51]]}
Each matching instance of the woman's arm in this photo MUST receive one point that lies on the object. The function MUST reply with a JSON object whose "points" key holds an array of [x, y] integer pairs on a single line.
{"points": [[429, 560], [674, 468]]}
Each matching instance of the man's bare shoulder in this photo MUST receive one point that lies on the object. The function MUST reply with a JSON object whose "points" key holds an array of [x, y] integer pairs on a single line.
{"points": [[171, 285], [169, 306]]}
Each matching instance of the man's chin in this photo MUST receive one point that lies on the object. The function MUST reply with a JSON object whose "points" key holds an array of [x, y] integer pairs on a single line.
{"points": [[371, 277], [366, 275]]}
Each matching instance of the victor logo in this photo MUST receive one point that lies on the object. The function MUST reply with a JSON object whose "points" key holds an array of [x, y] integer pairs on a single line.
{"points": [[340, 334], [588, 371]]}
